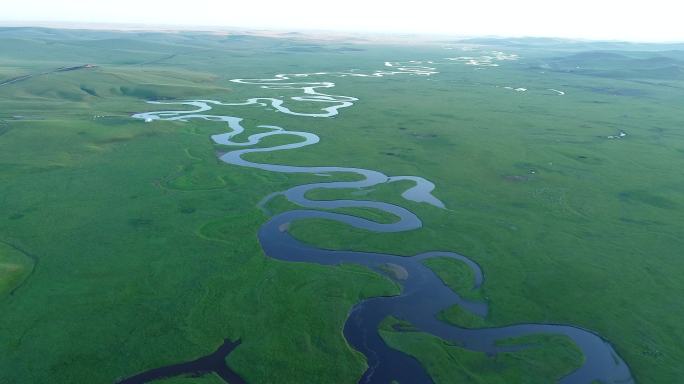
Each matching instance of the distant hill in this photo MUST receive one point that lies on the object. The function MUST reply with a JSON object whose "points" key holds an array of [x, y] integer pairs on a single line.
{"points": [[668, 65], [571, 44]]}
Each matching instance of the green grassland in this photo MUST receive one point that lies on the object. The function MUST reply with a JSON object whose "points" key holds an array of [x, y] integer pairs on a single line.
{"points": [[548, 357], [143, 248]]}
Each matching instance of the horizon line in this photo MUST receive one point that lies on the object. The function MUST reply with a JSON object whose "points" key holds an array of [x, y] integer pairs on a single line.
{"points": [[172, 27]]}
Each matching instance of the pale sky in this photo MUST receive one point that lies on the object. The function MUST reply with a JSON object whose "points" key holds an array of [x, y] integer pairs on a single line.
{"points": [[640, 20]]}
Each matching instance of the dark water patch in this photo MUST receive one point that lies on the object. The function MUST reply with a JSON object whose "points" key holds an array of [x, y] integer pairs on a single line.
{"points": [[213, 363]]}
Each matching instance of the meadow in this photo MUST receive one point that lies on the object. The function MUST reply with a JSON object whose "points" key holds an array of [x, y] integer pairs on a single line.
{"points": [[125, 246]]}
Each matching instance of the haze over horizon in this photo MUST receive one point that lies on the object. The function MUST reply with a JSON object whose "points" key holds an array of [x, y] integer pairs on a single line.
{"points": [[653, 21]]}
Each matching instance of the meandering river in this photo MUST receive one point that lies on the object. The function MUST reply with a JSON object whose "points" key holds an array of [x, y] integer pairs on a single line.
{"points": [[423, 293]]}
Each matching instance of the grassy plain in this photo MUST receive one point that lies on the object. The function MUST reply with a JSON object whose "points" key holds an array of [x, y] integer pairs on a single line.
{"points": [[146, 248], [546, 360]]}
